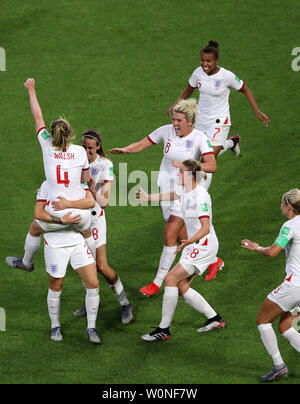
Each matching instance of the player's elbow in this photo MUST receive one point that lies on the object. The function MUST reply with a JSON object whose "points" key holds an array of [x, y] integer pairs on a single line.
{"points": [[90, 204]]}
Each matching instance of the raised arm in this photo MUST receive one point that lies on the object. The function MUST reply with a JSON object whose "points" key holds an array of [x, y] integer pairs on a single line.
{"points": [[186, 93], [133, 148], [250, 97], [34, 104]]}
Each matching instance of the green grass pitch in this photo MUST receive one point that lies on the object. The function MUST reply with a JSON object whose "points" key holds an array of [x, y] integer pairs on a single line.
{"points": [[117, 65]]}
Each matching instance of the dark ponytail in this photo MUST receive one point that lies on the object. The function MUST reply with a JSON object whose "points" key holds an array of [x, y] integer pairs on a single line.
{"points": [[212, 47]]}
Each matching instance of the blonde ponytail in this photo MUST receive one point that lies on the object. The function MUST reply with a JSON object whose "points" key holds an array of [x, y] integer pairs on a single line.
{"points": [[61, 133]]}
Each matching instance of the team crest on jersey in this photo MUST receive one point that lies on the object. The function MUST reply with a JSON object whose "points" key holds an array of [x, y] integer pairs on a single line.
{"points": [[94, 171], [199, 83], [218, 83], [188, 144], [54, 268]]}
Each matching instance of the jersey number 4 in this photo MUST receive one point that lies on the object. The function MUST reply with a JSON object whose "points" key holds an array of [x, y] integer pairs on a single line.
{"points": [[60, 180]]}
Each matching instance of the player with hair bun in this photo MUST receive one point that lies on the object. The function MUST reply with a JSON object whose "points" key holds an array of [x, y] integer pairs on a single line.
{"points": [[214, 84], [284, 301]]}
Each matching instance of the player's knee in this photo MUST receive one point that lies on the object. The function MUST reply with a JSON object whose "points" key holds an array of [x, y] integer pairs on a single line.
{"points": [[93, 284], [170, 238], [170, 280]]}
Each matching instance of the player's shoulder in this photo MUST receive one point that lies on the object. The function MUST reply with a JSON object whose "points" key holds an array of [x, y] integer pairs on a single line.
{"points": [[293, 223], [202, 192], [106, 162], [198, 71], [165, 128], [198, 134], [102, 162]]}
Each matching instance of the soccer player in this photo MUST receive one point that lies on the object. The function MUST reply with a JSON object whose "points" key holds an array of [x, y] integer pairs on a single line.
{"points": [[66, 165], [101, 172], [284, 301], [199, 250], [214, 84], [181, 142], [63, 247]]}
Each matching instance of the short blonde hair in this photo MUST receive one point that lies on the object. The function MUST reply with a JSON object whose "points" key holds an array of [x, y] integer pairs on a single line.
{"points": [[292, 198], [188, 108], [61, 133]]}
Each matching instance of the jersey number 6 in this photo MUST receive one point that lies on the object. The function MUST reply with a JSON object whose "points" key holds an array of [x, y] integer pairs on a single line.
{"points": [[65, 180]]}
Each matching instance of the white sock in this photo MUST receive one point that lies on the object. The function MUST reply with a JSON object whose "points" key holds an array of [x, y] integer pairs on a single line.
{"points": [[166, 260], [195, 300], [53, 300], [91, 243], [32, 244], [269, 340], [170, 299], [293, 337], [119, 292], [208, 180], [228, 145], [92, 300]]}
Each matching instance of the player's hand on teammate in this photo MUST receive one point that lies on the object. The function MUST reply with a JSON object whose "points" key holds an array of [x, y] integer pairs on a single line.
{"points": [[30, 84], [249, 245], [142, 196], [69, 219], [61, 204], [177, 164]]}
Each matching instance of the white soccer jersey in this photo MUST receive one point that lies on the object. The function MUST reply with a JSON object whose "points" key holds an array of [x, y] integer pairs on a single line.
{"points": [[61, 238], [63, 169], [193, 146], [101, 170], [214, 90], [289, 239], [195, 205]]}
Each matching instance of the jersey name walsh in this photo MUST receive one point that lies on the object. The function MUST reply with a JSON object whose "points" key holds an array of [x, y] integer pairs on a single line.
{"points": [[64, 156]]}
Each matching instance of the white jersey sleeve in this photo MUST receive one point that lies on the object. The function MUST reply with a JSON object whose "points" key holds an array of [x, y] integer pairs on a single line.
{"points": [[204, 144], [42, 195], [159, 135], [44, 138], [193, 81], [285, 235], [232, 81]]}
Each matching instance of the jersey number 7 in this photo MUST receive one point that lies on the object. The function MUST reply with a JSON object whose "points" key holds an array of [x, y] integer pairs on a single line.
{"points": [[65, 180]]}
